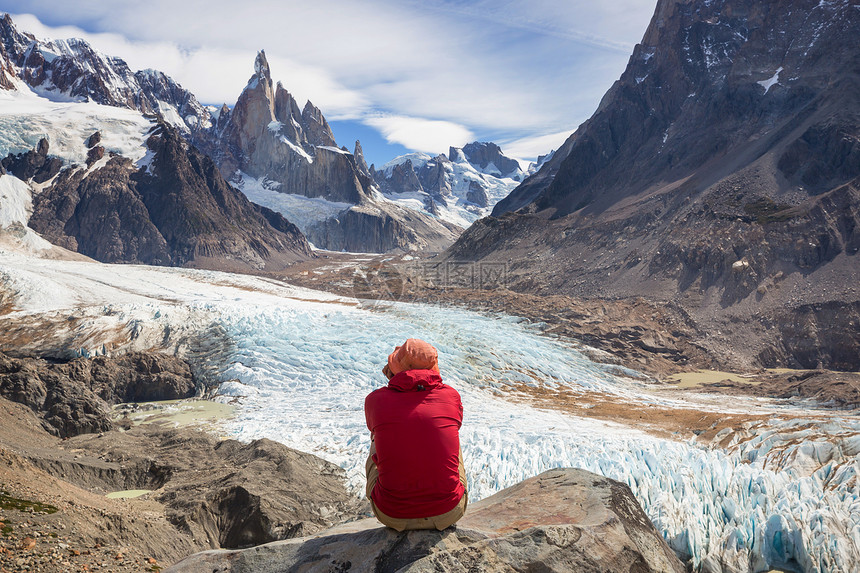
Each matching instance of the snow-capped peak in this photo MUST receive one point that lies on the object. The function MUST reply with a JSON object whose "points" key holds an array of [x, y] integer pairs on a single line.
{"points": [[72, 70]]}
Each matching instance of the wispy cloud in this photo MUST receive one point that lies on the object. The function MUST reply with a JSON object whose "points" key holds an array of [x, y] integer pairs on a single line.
{"points": [[532, 146], [429, 136], [525, 20]]}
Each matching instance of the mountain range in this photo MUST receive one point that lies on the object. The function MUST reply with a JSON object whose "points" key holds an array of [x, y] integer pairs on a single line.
{"points": [[459, 187], [279, 154], [720, 175]]}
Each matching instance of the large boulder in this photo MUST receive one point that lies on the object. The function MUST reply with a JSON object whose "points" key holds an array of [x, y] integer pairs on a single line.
{"points": [[561, 520]]}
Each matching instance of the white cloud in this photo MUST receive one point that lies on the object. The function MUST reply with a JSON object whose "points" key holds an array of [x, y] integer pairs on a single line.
{"points": [[486, 66], [429, 136], [215, 75], [528, 148]]}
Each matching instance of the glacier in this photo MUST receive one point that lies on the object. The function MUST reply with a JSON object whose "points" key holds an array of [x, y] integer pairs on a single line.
{"points": [[26, 117], [303, 212], [780, 491]]}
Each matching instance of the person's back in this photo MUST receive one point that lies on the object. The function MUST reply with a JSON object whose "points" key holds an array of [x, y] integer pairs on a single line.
{"points": [[416, 478]]}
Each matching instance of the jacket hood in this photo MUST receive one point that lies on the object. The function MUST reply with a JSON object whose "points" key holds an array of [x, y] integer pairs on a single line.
{"points": [[414, 354], [415, 380]]}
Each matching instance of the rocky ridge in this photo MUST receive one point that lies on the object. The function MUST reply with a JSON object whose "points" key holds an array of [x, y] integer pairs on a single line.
{"points": [[73, 68], [177, 210], [720, 172]]}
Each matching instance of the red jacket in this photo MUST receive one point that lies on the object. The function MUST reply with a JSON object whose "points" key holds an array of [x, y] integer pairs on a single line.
{"points": [[415, 423]]}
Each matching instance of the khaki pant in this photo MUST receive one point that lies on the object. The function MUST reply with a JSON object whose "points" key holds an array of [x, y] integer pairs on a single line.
{"points": [[439, 522]]}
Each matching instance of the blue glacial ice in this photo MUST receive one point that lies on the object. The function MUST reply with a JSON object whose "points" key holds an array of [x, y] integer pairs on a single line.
{"points": [[781, 494]]}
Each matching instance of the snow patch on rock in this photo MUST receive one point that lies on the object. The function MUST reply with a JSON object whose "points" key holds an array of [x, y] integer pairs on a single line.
{"points": [[771, 81]]}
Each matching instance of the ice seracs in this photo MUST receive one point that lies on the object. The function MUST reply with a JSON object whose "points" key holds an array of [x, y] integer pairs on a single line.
{"points": [[25, 118]]}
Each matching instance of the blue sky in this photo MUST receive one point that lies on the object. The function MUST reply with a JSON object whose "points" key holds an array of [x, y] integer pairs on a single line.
{"points": [[400, 75]]}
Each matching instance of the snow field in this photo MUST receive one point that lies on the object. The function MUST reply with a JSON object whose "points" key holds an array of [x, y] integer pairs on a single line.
{"points": [[302, 211], [25, 118], [16, 206]]}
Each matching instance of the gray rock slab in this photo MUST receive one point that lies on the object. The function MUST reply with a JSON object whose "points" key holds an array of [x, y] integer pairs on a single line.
{"points": [[561, 520]]}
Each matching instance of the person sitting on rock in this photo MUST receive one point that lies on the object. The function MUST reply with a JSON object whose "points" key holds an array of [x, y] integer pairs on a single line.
{"points": [[415, 473]]}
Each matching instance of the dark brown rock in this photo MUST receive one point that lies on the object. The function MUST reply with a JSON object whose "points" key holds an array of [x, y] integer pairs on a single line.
{"points": [[94, 139], [75, 397], [180, 212], [202, 217], [134, 377], [94, 154], [66, 408], [725, 156], [222, 493], [100, 214], [34, 164]]}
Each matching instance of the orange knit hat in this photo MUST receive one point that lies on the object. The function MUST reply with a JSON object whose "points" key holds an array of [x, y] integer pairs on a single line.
{"points": [[414, 354]]}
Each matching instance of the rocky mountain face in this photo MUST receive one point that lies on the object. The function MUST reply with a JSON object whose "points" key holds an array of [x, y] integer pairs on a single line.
{"points": [[484, 154], [62, 438], [460, 186], [266, 134], [72, 68], [267, 140], [7, 70], [177, 210], [721, 174], [75, 397], [173, 208]]}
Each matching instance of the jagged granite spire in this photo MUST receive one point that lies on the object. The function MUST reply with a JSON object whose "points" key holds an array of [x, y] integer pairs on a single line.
{"points": [[359, 158], [316, 127], [261, 66]]}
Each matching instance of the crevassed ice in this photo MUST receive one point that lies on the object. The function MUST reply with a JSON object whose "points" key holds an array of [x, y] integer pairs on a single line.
{"points": [[782, 494], [304, 372]]}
